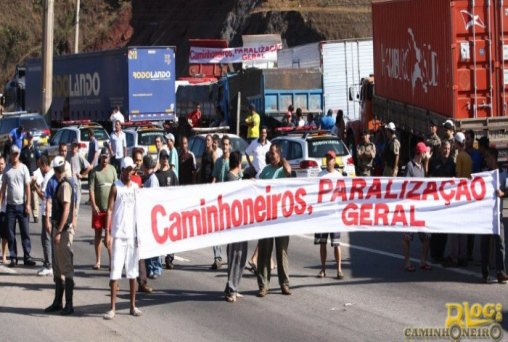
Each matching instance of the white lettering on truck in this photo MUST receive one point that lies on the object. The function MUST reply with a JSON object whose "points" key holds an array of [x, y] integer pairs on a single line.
{"points": [[77, 85], [417, 64]]}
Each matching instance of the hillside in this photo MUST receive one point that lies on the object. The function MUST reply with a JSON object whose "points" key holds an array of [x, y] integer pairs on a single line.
{"points": [[108, 24]]}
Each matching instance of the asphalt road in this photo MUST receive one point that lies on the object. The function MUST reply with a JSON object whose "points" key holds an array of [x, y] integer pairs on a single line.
{"points": [[376, 301]]}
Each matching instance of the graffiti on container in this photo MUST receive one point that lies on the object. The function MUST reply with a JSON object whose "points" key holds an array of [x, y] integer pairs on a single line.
{"points": [[417, 64], [471, 20]]}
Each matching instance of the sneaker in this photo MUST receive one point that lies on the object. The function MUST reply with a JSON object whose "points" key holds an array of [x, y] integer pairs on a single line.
{"points": [[29, 262], [136, 312], [109, 315], [216, 265], [231, 298], [285, 290], [145, 289], [502, 278], [43, 272], [262, 292]]}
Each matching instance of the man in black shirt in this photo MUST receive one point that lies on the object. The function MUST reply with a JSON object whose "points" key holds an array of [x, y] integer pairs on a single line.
{"points": [[166, 177], [441, 165], [29, 156]]}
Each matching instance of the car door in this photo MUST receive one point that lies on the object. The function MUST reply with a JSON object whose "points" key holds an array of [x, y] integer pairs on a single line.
{"points": [[130, 138]]}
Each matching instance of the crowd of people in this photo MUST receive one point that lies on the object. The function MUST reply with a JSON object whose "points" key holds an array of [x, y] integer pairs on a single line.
{"points": [[30, 180]]}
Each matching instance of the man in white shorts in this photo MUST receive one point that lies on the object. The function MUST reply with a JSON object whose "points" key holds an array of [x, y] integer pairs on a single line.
{"points": [[121, 235]]}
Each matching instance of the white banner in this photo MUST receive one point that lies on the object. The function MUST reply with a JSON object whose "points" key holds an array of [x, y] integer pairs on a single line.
{"points": [[261, 52], [177, 219]]}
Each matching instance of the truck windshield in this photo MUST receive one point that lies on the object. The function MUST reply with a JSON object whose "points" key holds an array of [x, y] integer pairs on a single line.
{"points": [[319, 147]]}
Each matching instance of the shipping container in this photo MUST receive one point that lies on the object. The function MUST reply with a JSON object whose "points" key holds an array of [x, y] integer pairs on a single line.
{"points": [[441, 60], [140, 80], [343, 63]]}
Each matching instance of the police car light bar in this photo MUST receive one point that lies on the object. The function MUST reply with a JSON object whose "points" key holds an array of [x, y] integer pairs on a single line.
{"points": [[203, 130], [136, 123], [76, 122]]}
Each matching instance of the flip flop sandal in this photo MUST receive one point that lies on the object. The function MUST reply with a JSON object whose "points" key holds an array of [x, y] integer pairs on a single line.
{"points": [[410, 268]]}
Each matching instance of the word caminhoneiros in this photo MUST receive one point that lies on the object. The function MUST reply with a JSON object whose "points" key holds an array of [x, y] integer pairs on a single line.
{"points": [[214, 217]]}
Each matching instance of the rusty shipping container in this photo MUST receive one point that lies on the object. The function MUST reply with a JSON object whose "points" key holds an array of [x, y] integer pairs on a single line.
{"points": [[439, 59]]}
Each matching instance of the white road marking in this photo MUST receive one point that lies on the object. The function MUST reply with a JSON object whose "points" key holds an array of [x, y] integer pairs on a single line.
{"points": [[400, 257], [4, 269], [181, 259]]}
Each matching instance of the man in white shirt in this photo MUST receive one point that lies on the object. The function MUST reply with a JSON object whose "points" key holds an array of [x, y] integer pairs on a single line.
{"points": [[118, 146], [322, 238], [117, 115], [42, 176], [121, 235], [257, 149]]}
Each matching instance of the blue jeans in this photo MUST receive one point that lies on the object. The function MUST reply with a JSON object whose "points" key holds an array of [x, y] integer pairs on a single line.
{"points": [[46, 244], [17, 213], [153, 266]]}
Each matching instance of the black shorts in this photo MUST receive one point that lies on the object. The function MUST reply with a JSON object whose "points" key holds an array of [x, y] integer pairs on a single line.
{"points": [[322, 238]]}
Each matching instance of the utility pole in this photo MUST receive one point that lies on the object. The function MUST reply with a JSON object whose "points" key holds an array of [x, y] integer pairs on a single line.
{"points": [[76, 37], [47, 59]]}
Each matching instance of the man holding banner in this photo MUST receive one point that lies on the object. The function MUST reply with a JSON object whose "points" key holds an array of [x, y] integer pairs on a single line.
{"points": [[219, 173], [121, 235], [415, 168], [322, 238], [278, 168], [237, 252]]}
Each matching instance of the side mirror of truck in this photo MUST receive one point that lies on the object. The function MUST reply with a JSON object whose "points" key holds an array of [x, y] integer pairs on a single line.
{"points": [[351, 94]]}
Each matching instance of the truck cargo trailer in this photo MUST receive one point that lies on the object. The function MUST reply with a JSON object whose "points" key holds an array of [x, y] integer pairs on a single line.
{"points": [[439, 60], [344, 63], [140, 80]]}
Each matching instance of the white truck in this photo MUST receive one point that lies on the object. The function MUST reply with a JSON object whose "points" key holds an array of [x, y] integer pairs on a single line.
{"points": [[343, 63]]}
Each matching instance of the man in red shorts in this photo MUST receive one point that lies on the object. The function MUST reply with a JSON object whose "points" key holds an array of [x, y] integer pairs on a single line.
{"points": [[100, 181]]}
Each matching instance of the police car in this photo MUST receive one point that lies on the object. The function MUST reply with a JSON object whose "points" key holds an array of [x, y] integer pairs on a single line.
{"points": [[141, 135], [305, 151], [76, 130]]}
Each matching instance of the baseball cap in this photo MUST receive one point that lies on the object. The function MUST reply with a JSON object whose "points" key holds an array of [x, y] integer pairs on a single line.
{"points": [[126, 163], [460, 137], [57, 161], [448, 124], [421, 148], [432, 123], [14, 149], [75, 142], [330, 154], [391, 126], [163, 153], [170, 136]]}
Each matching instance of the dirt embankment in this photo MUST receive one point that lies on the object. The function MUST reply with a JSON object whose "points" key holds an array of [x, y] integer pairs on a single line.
{"points": [[161, 22], [107, 24]]}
